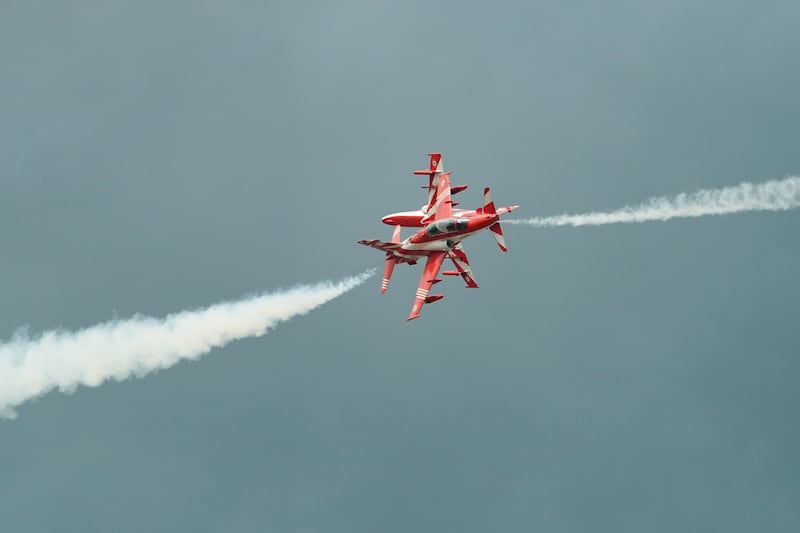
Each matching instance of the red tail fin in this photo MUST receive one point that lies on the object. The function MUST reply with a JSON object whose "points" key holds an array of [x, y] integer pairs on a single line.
{"points": [[434, 166], [489, 209], [488, 203], [388, 268], [497, 233], [442, 206]]}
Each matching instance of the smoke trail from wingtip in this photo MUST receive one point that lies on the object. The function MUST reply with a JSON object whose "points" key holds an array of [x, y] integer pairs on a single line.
{"points": [[775, 195], [119, 349]]}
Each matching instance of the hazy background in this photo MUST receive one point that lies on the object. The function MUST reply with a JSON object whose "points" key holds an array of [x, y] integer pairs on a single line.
{"points": [[157, 156]]}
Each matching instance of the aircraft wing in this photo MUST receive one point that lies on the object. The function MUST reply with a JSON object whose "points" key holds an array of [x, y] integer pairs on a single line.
{"points": [[380, 245], [428, 278]]}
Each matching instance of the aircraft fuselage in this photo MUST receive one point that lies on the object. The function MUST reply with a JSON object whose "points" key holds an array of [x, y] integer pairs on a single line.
{"points": [[413, 219], [443, 235]]}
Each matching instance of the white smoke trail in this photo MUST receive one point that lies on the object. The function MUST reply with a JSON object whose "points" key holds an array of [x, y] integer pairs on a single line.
{"points": [[119, 349], [776, 195]]}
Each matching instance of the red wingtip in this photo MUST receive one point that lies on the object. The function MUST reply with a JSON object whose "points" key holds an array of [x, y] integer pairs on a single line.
{"points": [[415, 309]]}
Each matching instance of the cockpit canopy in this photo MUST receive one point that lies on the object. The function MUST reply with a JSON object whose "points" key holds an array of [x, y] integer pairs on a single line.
{"points": [[446, 225]]}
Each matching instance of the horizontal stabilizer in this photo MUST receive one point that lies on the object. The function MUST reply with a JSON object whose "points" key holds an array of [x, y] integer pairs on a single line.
{"points": [[450, 273], [433, 298], [497, 233], [455, 189]]}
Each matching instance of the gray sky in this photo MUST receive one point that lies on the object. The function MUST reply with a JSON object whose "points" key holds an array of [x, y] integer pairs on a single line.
{"points": [[162, 156]]}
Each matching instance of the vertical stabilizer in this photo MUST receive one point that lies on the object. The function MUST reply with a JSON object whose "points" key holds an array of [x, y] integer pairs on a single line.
{"points": [[435, 165], [497, 233], [489, 209], [488, 203]]}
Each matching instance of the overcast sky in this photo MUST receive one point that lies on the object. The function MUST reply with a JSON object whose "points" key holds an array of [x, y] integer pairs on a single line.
{"points": [[158, 156]]}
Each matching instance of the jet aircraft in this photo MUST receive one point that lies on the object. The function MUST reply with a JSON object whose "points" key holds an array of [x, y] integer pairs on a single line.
{"points": [[441, 237], [418, 218]]}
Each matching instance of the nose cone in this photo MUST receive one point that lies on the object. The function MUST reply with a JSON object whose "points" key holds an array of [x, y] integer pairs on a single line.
{"points": [[389, 219]]}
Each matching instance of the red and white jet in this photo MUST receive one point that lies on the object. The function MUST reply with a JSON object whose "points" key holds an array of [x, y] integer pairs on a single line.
{"points": [[440, 238], [418, 218]]}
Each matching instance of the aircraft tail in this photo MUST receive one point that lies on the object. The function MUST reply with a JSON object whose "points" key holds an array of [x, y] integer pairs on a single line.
{"points": [[488, 203], [435, 165], [489, 209], [497, 233]]}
